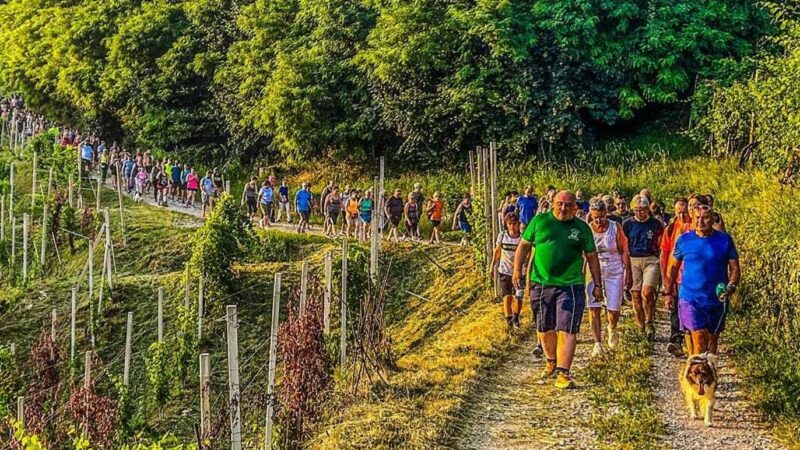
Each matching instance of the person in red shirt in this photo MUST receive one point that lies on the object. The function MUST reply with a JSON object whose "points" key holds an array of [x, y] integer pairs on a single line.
{"points": [[679, 225]]}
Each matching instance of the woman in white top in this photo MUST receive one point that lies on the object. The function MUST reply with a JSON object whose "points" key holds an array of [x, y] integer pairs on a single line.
{"points": [[615, 266]]}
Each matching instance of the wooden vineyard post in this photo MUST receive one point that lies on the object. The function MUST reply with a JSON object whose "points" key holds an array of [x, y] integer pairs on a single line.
{"points": [[205, 395], [11, 191], [69, 191], [495, 224], [21, 412], [326, 307], [128, 333], [200, 301], [471, 173], [374, 246], [97, 195], [109, 248], [273, 357], [303, 286], [228, 186], [49, 183], [233, 378], [25, 223], [379, 195], [121, 211], [160, 315], [73, 307], [91, 268], [33, 182], [43, 249], [13, 243], [343, 336]]}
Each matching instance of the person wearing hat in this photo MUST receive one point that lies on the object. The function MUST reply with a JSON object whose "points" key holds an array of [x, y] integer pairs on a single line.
{"points": [[644, 236]]}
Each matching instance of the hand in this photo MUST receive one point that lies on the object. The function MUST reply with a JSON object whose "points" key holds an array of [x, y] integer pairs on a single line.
{"points": [[729, 290], [668, 300], [597, 292], [515, 278]]}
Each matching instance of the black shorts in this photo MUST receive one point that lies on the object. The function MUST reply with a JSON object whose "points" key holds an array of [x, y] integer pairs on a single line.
{"points": [[506, 286], [436, 223], [304, 215], [251, 205], [558, 308], [333, 216], [395, 220]]}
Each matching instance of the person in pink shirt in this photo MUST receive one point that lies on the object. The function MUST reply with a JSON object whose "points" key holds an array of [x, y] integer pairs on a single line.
{"points": [[192, 185]]}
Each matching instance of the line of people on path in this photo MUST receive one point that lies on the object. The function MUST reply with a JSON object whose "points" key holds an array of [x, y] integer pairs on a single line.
{"points": [[574, 254]]}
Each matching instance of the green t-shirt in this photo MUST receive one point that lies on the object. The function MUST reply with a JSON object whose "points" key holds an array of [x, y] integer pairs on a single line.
{"points": [[558, 249]]}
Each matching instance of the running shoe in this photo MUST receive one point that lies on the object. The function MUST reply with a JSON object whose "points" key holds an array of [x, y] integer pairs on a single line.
{"points": [[548, 371], [651, 331], [564, 381], [613, 337], [597, 350], [675, 350], [538, 351]]}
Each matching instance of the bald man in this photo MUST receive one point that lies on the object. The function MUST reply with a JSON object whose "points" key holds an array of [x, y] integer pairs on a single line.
{"points": [[559, 242]]}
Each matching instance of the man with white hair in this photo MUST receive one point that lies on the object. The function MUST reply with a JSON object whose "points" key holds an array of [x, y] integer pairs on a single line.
{"points": [[559, 242], [644, 236]]}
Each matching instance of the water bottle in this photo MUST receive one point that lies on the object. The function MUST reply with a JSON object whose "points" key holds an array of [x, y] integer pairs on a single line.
{"points": [[722, 289]]}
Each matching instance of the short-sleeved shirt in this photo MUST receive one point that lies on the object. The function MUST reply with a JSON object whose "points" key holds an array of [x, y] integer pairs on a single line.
{"points": [[671, 235], [527, 208], [176, 174], [185, 175], [207, 184], [284, 193], [436, 209], [643, 237], [705, 265], [508, 248], [266, 194], [302, 200], [86, 152], [395, 206], [558, 249]]}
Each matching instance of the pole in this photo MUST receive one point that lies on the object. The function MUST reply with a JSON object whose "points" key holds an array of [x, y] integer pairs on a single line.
{"points": [[33, 182], [2, 217], [49, 183], [273, 356], [87, 370], [343, 336], [14, 243], [303, 286], [205, 395], [91, 268], [160, 315], [43, 254], [471, 173], [69, 193], [97, 196], [73, 307], [233, 378], [128, 333], [21, 412], [200, 300], [11, 191], [121, 211], [25, 219], [373, 238], [379, 195], [326, 308]]}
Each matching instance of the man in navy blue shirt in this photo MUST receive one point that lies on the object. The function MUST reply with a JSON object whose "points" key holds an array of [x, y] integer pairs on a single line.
{"points": [[283, 202], [711, 273], [527, 205], [644, 236]]}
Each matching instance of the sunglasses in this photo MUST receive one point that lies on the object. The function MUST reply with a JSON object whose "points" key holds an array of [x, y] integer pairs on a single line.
{"points": [[702, 207]]}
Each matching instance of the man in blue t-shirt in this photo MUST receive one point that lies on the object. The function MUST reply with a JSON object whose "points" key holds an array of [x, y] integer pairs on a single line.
{"points": [[206, 192], [711, 273], [303, 202], [283, 201], [527, 205], [87, 156], [176, 180]]}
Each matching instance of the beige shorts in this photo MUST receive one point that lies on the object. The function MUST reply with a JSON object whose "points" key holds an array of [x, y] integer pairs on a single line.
{"points": [[646, 272]]}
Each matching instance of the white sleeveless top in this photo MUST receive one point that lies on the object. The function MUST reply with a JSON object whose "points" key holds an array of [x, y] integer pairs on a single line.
{"points": [[607, 249]]}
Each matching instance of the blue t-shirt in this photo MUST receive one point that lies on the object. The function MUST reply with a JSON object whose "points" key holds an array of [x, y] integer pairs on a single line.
{"points": [[302, 200], [266, 194], [207, 184], [185, 175], [584, 205], [176, 174], [128, 168], [527, 208], [643, 237], [284, 193], [705, 265], [86, 152]]}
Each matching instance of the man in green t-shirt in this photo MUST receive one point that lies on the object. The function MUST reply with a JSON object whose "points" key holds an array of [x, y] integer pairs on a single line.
{"points": [[559, 241]]}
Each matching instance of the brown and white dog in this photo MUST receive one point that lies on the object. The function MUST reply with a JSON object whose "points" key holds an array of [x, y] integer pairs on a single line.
{"points": [[698, 380]]}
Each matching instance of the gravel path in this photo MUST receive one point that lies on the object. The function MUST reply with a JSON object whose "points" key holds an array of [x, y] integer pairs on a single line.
{"points": [[736, 423], [517, 411]]}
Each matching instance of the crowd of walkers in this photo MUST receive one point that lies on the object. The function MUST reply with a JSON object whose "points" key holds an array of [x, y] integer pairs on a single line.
{"points": [[570, 253]]}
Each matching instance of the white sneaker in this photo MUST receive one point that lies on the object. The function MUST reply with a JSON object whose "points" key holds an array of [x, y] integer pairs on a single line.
{"points": [[613, 337], [597, 350]]}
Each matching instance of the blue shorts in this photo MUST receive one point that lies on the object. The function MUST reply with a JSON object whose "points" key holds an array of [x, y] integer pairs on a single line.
{"points": [[465, 226], [558, 308], [702, 317]]}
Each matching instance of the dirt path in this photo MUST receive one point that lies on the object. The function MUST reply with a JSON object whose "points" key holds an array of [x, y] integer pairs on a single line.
{"points": [[736, 423], [517, 411]]}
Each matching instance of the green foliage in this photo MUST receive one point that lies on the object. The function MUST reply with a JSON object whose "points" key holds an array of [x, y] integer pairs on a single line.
{"points": [[156, 364], [418, 81], [765, 102]]}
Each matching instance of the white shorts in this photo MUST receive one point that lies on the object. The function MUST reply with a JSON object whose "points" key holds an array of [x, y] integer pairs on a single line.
{"points": [[613, 286]]}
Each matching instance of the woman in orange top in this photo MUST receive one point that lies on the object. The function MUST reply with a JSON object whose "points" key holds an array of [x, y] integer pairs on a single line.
{"points": [[435, 210]]}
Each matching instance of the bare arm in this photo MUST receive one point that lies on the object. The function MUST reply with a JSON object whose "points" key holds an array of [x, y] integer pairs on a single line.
{"points": [[594, 267], [734, 272], [523, 251], [622, 245], [495, 259]]}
